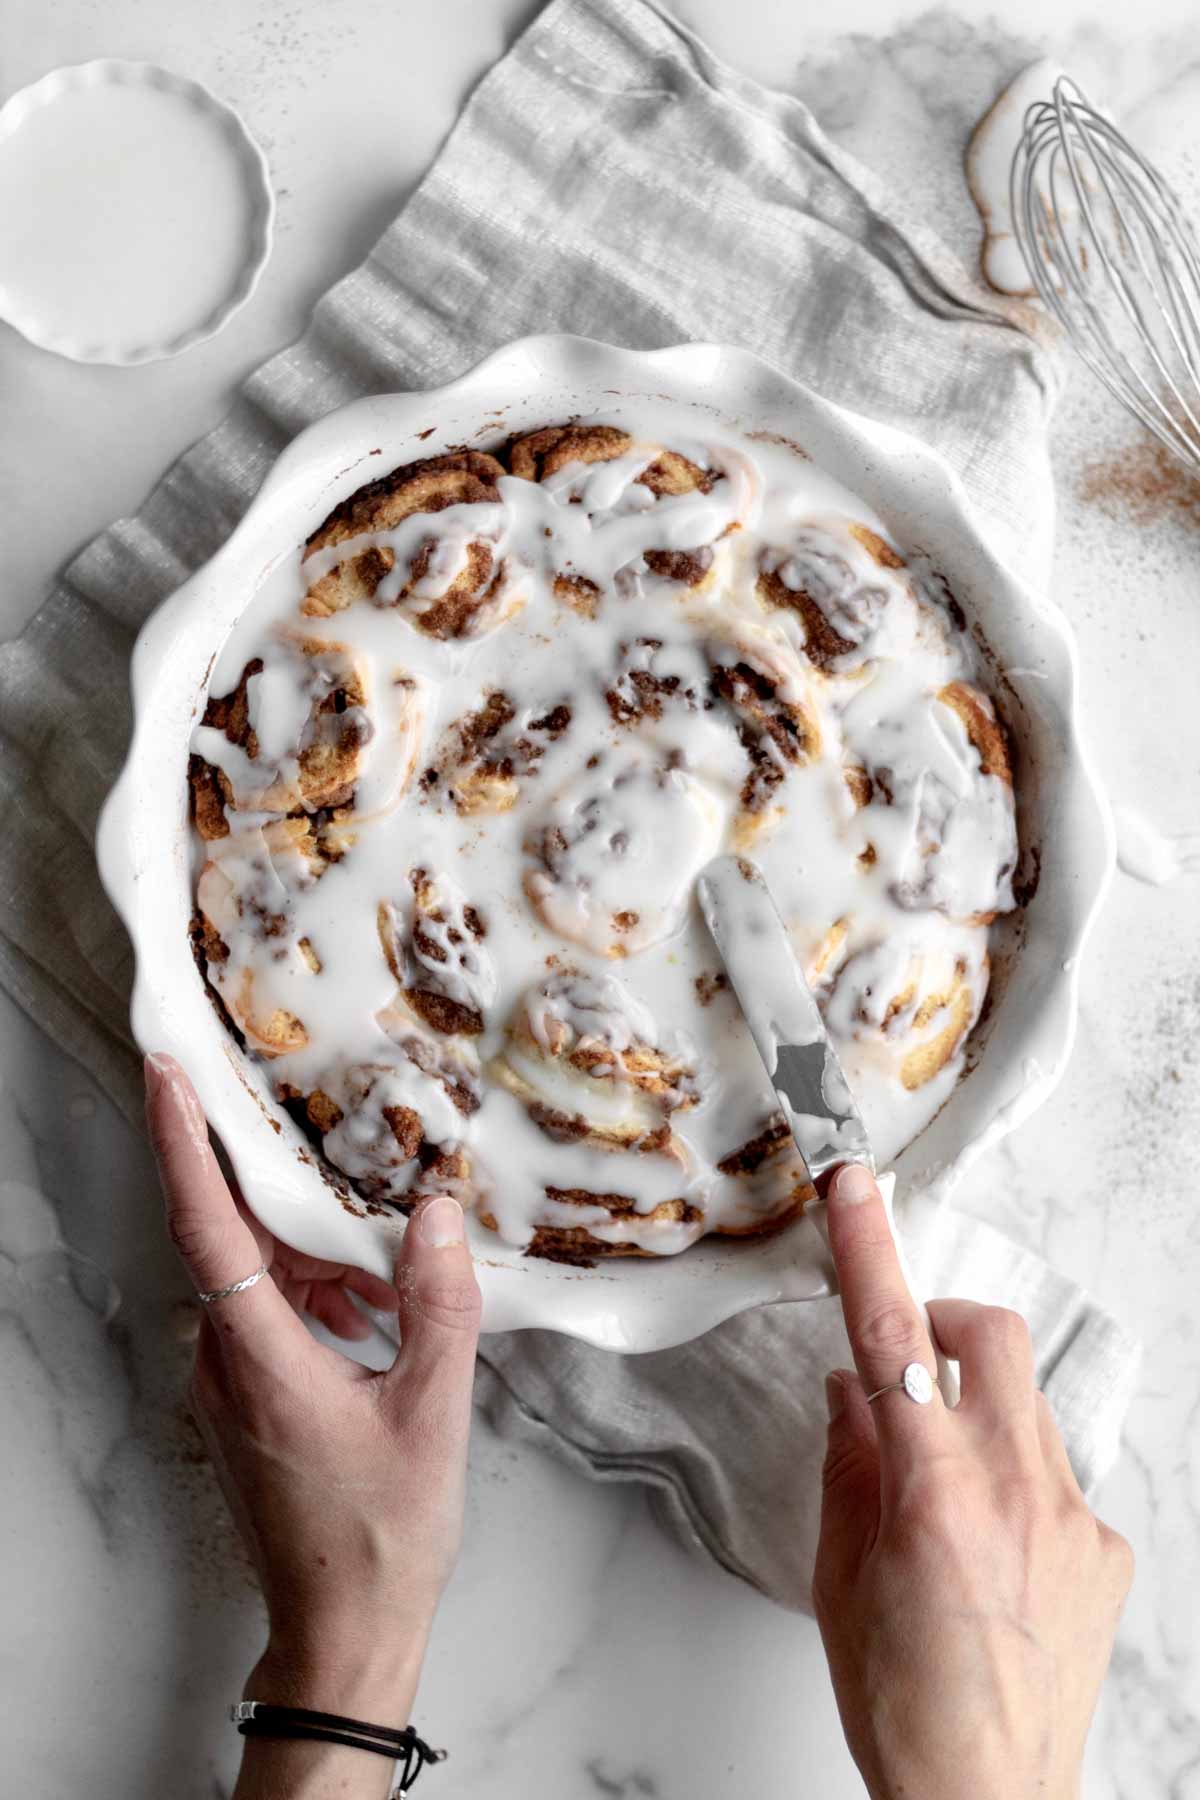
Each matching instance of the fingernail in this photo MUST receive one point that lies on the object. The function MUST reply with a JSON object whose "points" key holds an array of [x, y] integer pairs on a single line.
{"points": [[835, 1396], [156, 1068], [852, 1185], [442, 1222]]}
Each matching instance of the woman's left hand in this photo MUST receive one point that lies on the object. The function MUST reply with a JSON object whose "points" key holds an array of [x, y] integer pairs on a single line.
{"points": [[347, 1484]]}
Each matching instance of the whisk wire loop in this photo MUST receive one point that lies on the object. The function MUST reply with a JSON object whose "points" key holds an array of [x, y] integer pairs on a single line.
{"points": [[1113, 257]]}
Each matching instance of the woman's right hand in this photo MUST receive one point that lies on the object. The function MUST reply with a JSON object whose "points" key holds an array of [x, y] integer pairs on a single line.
{"points": [[967, 1597], [347, 1484]]}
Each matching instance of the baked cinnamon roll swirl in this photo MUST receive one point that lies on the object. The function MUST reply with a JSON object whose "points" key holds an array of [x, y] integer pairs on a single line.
{"points": [[910, 1004], [651, 677], [425, 539], [614, 862], [486, 755], [761, 682], [654, 514], [436, 948], [588, 1062], [256, 958], [564, 453], [849, 593], [393, 1127], [290, 737], [770, 1179], [939, 794], [628, 1230]]}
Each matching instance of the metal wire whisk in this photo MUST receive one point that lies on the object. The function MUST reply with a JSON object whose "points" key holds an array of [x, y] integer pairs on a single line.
{"points": [[1114, 258]]}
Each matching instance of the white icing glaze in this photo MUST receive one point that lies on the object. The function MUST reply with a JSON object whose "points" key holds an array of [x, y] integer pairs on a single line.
{"points": [[989, 159], [589, 1009], [1151, 855], [551, 832]]}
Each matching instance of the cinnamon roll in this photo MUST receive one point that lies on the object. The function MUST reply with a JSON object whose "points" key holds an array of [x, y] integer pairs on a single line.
{"points": [[291, 735], [436, 949], [665, 1229], [614, 863], [770, 1179], [911, 1005], [394, 1127], [485, 756], [649, 677], [588, 1063], [256, 960], [846, 588], [940, 794], [425, 539], [763, 684], [650, 513]]}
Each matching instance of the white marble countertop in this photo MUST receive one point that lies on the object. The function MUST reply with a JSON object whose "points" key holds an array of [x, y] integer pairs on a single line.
{"points": [[579, 1653]]}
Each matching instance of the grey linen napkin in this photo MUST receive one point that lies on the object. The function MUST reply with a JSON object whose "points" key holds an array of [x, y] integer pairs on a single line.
{"points": [[608, 177]]}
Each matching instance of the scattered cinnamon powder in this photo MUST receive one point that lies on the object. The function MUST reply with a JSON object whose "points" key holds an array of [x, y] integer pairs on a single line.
{"points": [[1143, 483]]}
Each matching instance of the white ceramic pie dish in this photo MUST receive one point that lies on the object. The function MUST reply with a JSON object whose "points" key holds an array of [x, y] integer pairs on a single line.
{"points": [[154, 254], [1018, 1052]]}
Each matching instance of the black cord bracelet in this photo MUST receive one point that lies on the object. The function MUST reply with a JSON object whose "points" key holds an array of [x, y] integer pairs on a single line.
{"points": [[258, 1718]]}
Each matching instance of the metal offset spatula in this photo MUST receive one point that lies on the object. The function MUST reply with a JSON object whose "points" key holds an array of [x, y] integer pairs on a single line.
{"points": [[782, 1016], [789, 1034]]}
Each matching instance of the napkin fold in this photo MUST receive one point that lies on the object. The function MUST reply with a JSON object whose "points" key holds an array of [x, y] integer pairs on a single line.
{"points": [[608, 177], [728, 1432]]}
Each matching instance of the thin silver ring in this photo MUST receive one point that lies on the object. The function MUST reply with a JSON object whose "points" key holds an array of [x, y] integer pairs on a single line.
{"points": [[235, 1287], [916, 1382]]}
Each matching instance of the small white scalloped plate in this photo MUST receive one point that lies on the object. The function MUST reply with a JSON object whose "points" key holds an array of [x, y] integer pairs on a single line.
{"points": [[1018, 1053], [138, 212]]}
